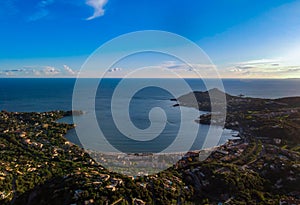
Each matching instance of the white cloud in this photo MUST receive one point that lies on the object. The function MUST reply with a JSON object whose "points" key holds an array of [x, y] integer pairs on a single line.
{"points": [[39, 71], [259, 61], [98, 6], [69, 70], [263, 68], [174, 65], [115, 69], [49, 70], [205, 69]]}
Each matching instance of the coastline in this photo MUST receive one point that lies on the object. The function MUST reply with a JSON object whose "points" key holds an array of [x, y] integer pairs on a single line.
{"points": [[42, 144]]}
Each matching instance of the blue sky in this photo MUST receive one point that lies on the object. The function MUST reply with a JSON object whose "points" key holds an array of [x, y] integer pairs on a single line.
{"points": [[244, 38]]}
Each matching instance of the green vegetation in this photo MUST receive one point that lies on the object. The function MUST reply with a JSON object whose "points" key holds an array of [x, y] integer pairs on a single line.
{"points": [[39, 166]]}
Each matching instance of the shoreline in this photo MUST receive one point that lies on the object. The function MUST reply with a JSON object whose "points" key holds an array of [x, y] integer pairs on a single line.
{"points": [[47, 156]]}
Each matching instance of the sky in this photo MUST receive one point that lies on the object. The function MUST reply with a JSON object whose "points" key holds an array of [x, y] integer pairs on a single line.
{"points": [[243, 38]]}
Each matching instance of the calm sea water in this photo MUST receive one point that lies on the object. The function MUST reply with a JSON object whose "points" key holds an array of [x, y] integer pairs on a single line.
{"points": [[56, 94]]}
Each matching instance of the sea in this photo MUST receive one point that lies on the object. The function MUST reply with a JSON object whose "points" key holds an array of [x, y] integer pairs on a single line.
{"points": [[47, 94]]}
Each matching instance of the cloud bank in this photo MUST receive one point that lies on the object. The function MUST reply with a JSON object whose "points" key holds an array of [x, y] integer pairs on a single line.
{"points": [[39, 71], [263, 68]]}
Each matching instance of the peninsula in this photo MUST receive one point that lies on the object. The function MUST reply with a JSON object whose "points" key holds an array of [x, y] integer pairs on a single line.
{"points": [[39, 166]]}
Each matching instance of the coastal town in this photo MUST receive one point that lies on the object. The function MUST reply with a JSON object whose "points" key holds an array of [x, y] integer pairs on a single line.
{"points": [[260, 165]]}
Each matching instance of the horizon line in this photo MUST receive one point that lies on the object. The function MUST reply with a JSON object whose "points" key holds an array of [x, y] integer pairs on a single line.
{"points": [[68, 77]]}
